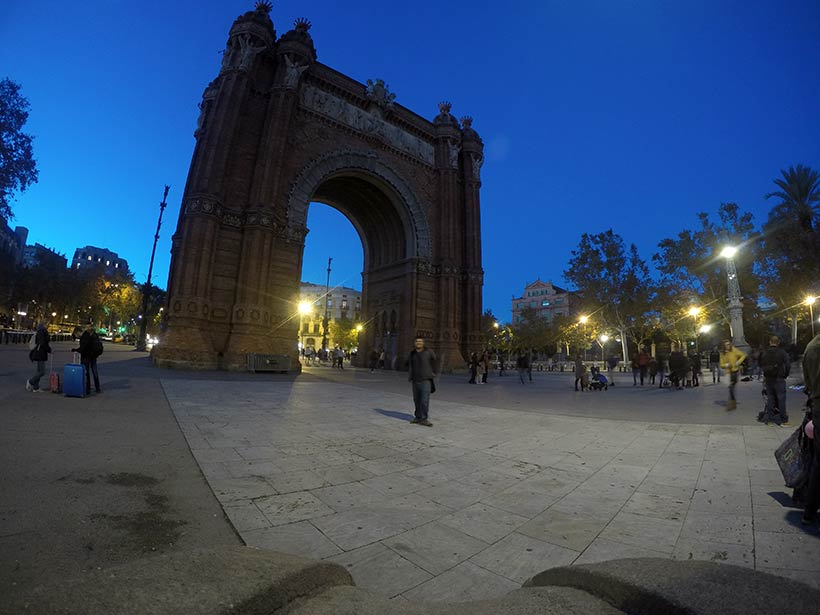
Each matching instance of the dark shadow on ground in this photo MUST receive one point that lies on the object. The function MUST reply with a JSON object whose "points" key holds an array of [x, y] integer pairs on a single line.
{"points": [[793, 517], [402, 416], [118, 384], [784, 499]]}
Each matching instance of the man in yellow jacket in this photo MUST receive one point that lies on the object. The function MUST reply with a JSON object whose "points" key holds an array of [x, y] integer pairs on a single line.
{"points": [[731, 359]]}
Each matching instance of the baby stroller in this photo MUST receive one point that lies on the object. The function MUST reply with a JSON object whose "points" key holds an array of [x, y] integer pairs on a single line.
{"points": [[775, 416], [598, 381]]}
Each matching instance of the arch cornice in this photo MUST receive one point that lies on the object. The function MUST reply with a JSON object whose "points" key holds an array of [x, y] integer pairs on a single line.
{"points": [[322, 168]]}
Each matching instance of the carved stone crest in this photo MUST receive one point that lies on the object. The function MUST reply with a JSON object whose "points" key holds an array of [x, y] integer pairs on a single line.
{"points": [[379, 93]]}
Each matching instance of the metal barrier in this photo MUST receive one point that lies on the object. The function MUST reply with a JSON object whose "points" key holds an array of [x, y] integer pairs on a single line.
{"points": [[268, 362]]}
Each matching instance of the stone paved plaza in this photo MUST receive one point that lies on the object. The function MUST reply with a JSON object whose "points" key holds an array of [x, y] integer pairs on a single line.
{"points": [[511, 480]]}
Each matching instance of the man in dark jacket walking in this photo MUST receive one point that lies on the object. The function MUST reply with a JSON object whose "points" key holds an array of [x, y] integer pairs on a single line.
{"points": [[39, 354], [91, 347], [422, 373], [776, 366]]}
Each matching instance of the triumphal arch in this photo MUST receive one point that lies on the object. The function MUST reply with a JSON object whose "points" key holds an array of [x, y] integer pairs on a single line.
{"points": [[278, 130]]}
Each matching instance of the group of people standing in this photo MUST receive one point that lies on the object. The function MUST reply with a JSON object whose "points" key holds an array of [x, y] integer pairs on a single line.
{"points": [[90, 348], [479, 367]]}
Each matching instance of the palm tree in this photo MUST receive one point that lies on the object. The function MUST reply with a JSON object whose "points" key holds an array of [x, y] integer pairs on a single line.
{"points": [[799, 195], [792, 239]]}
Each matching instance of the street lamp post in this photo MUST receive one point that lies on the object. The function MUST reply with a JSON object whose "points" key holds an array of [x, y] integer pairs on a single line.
{"points": [[604, 339], [735, 304], [326, 321], [810, 302], [147, 288], [694, 311]]}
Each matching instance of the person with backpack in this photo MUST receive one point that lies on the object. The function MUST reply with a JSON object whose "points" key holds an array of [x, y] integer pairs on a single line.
{"points": [[776, 366], [38, 353], [91, 347]]}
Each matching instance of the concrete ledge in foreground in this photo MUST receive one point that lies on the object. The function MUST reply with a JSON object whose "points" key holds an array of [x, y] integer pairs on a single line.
{"points": [[649, 586], [238, 580]]}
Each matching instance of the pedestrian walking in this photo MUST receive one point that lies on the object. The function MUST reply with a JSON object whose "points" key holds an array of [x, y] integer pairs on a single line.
{"points": [[775, 364], [90, 349], [643, 364], [473, 368], [811, 377], [422, 370], [636, 369], [522, 364], [714, 364], [653, 370], [611, 364], [694, 358], [731, 359], [485, 366], [662, 369], [580, 368], [39, 355], [373, 360]]}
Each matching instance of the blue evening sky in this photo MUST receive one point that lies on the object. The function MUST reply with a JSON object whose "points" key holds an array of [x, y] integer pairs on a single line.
{"points": [[633, 114]]}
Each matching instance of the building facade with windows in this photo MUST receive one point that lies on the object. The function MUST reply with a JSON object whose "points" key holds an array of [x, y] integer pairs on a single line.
{"points": [[546, 299], [342, 303], [13, 242], [108, 261], [38, 254]]}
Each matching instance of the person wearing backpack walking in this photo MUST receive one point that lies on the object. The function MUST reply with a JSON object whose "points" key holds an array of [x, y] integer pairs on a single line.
{"points": [[776, 366], [91, 347]]}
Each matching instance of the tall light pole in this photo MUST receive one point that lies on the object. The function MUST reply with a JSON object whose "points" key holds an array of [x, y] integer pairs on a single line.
{"points": [[694, 311], [146, 290], [810, 302], [326, 320], [604, 339], [735, 304]]}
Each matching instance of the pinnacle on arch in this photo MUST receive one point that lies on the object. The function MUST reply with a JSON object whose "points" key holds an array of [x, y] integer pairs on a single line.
{"points": [[301, 24], [467, 121], [445, 106], [263, 6]]}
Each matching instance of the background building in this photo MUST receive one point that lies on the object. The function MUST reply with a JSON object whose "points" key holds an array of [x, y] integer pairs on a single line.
{"points": [[38, 254], [90, 256], [342, 303], [547, 299], [12, 242]]}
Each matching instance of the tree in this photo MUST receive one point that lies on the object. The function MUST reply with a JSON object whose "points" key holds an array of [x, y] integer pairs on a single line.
{"points": [[343, 333], [18, 168], [791, 236], [615, 284], [692, 269], [533, 331]]}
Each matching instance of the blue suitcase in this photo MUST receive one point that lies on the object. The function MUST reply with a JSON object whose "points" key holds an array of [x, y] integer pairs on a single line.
{"points": [[74, 380]]}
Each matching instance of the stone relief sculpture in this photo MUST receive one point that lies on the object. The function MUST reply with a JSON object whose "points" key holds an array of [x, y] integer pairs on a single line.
{"points": [[207, 98], [292, 72], [379, 93], [477, 162], [453, 150], [248, 51], [366, 122]]}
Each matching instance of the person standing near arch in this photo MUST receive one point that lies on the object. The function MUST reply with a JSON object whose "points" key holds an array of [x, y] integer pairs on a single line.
{"points": [[422, 371]]}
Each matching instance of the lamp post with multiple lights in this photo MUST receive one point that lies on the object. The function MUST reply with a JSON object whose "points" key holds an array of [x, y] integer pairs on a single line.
{"points": [[734, 302], [810, 302]]}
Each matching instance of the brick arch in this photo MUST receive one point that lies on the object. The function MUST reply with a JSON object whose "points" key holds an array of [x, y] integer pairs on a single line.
{"points": [[408, 207]]}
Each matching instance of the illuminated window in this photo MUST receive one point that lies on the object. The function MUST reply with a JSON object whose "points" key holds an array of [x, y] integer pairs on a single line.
{"points": [[545, 303], [89, 257], [107, 263]]}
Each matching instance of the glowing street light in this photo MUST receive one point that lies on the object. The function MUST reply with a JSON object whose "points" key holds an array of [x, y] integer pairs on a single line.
{"points": [[810, 302], [694, 311], [305, 308], [733, 299], [705, 328], [359, 328], [583, 320]]}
